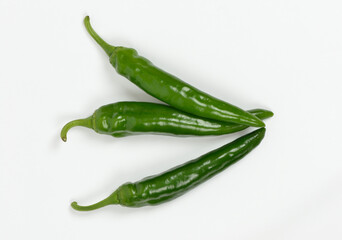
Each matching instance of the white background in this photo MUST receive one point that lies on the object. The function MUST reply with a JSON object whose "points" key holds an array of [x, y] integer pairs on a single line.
{"points": [[280, 55]]}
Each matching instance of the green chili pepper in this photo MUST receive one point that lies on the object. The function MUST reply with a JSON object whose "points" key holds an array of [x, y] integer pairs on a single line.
{"points": [[130, 118], [173, 183], [169, 88]]}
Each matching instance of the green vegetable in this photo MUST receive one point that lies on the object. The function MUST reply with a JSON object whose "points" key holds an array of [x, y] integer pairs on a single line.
{"points": [[169, 88], [173, 183], [129, 118]]}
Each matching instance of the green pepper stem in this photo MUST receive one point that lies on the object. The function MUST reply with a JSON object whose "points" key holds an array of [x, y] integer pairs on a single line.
{"points": [[86, 122], [112, 199], [109, 49]]}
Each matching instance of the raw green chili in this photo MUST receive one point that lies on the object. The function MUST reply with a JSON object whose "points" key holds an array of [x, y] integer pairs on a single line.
{"points": [[131, 118], [169, 88], [166, 186]]}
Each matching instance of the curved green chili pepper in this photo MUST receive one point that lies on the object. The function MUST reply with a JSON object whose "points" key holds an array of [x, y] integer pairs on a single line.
{"points": [[169, 88], [173, 183], [130, 118]]}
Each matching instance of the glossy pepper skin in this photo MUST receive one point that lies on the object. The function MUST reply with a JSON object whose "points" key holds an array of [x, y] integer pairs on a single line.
{"points": [[131, 118], [169, 88], [175, 182]]}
